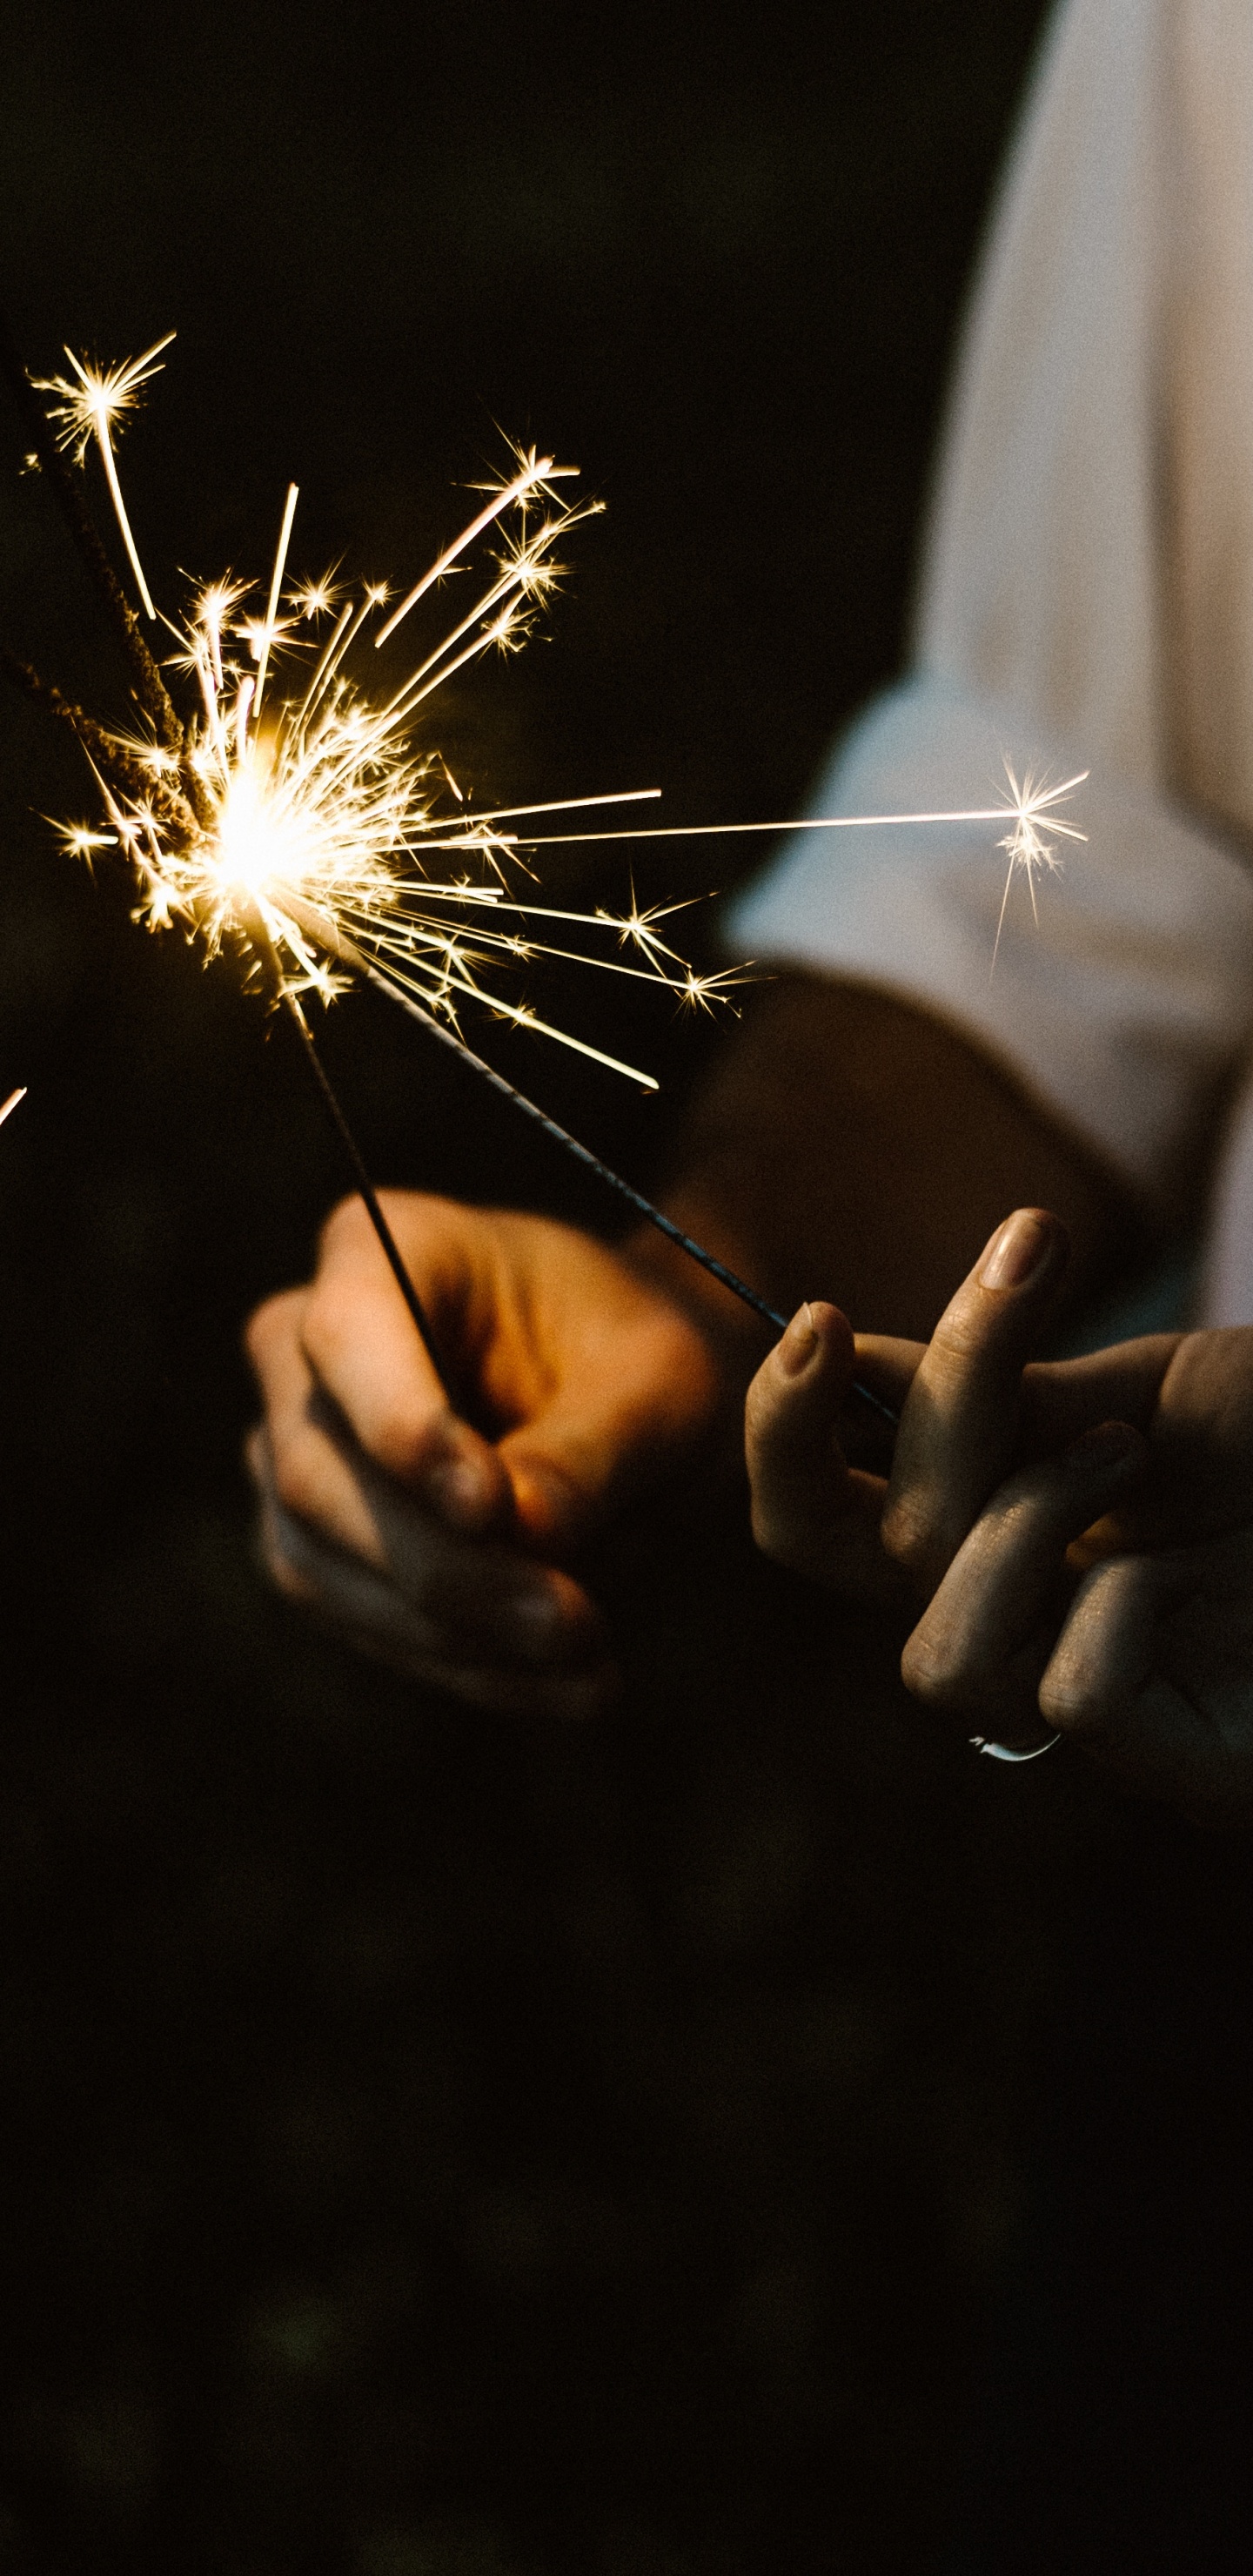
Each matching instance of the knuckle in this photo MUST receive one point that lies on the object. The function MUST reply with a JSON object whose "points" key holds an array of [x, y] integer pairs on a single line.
{"points": [[345, 1227], [908, 1532], [296, 1470], [331, 1317], [933, 1670], [975, 1354], [960, 1336], [1072, 1701], [772, 1531], [267, 1323], [347, 1234]]}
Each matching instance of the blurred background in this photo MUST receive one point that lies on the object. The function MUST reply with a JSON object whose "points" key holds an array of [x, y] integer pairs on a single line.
{"points": [[436, 2148]]}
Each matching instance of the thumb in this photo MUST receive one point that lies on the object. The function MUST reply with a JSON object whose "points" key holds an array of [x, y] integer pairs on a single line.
{"points": [[359, 1340], [810, 1511]]}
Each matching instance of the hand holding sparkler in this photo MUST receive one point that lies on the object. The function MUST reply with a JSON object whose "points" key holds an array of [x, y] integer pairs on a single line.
{"points": [[435, 1545]]}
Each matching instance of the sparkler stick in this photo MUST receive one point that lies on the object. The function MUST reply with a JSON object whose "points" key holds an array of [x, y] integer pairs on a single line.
{"points": [[6, 1110], [102, 748], [260, 931], [365, 1186]]}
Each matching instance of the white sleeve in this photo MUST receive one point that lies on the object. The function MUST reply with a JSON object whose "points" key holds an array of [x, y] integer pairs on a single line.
{"points": [[1087, 603], [1117, 1010]]}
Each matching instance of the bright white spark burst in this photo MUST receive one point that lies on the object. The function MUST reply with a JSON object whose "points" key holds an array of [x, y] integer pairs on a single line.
{"points": [[1029, 851], [319, 816]]}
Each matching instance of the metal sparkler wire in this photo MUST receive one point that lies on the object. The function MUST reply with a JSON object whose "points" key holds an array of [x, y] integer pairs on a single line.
{"points": [[366, 1191], [369, 1195]]}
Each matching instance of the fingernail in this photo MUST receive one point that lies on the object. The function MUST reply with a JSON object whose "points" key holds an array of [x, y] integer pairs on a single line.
{"points": [[1105, 1447], [1017, 1252], [799, 1342]]}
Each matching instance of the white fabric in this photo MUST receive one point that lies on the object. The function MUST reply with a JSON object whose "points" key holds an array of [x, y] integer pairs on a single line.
{"points": [[1087, 600]]}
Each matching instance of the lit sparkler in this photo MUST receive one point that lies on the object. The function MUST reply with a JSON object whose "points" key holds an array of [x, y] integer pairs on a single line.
{"points": [[325, 797], [307, 823]]}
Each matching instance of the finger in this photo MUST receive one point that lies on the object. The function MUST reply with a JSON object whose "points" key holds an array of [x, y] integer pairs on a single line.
{"points": [[1061, 1399], [368, 1614], [1105, 1690], [1194, 1392], [596, 1380], [796, 1468], [961, 1417], [984, 1639], [885, 1370], [1107, 1650], [460, 1597], [1132, 1683], [361, 1342], [809, 1512], [310, 1470], [887, 1366], [628, 1384]]}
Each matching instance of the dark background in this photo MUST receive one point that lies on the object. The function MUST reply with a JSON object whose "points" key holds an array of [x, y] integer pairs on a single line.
{"points": [[435, 2148]]}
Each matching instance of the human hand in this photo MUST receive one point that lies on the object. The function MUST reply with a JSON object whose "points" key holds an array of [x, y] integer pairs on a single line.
{"points": [[441, 1542], [889, 1537], [1078, 1535]]}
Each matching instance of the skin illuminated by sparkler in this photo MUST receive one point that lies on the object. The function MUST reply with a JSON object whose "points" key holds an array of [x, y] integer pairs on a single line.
{"points": [[318, 802]]}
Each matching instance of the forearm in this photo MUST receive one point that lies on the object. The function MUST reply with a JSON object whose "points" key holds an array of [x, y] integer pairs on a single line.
{"points": [[849, 1146]]}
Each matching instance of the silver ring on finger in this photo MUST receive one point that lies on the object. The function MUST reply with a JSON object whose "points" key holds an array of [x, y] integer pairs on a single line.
{"points": [[1006, 1753]]}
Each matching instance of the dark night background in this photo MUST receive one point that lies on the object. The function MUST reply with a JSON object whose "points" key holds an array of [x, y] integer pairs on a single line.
{"points": [[434, 2147]]}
